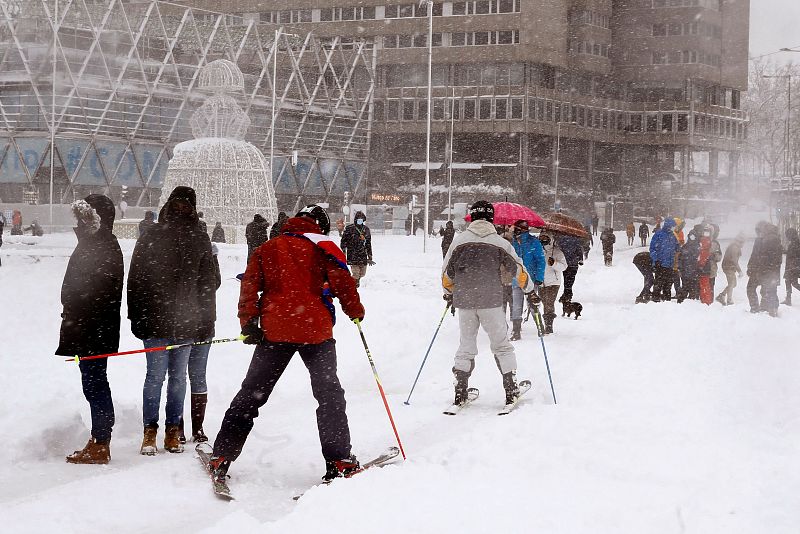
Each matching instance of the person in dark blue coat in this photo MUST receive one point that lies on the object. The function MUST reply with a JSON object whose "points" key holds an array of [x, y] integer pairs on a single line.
{"points": [[91, 295], [573, 250], [689, 268], [530, 250], [663, 248]]}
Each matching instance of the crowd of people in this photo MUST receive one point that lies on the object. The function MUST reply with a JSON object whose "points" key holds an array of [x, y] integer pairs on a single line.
{"points": [[295, 269]]}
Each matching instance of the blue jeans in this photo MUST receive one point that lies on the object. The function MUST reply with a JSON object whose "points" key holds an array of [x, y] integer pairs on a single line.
{"points": [[198, 359], [158, 364]]}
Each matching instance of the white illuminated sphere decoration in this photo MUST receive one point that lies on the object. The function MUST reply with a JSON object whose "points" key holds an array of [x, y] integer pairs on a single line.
{"points": [[231, 177]]}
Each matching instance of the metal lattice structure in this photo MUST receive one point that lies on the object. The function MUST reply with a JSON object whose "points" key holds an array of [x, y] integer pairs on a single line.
{"points": [[126, 84]]}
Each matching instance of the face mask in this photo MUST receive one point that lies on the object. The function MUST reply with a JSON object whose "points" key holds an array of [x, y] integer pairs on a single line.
{"points": [[544, 240], [359, 221]]}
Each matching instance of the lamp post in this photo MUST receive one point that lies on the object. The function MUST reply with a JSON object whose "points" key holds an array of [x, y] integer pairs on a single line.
{"points": [[53, 112], [429, 4], [788, 135], [557, 163]]}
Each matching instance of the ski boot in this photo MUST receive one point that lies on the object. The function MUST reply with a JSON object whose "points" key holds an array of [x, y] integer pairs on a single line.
{"points": [[341, 468], [461, 385], [218, 466], [511, 387], [95, 452], [516, 333]]}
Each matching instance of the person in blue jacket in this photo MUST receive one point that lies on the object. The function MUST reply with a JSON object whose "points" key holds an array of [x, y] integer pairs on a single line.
{"points": [[529, 249], [663, 248]]}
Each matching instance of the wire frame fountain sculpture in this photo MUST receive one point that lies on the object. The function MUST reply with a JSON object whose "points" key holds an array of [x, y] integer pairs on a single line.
{"points": [[230, 176]]}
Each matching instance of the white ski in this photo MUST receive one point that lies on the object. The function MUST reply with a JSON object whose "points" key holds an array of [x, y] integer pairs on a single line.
{"points": [[453, 409], [524, 387]]}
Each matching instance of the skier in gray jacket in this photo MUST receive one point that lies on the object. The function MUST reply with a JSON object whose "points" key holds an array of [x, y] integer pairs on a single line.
{"points": [[471, 281]]}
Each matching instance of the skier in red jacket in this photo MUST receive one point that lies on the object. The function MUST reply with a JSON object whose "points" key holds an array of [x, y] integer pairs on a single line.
{"points": [[297, 275]]}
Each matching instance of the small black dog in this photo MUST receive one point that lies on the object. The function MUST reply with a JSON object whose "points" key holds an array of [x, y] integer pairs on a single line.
{"points": [[568, 308]]}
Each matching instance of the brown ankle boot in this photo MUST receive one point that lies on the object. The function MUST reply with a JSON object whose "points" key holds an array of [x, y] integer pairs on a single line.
{"points": [[149, 441], [95, 452], [172, 439], [199, 401]]}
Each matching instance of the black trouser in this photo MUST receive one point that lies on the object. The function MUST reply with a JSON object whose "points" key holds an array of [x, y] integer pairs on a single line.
{"points": [[268, 363], [662, 290], [569, 280], [97, 391]]}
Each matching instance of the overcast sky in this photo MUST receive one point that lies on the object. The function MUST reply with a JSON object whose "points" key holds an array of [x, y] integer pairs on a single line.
{"points": [[775, 24]]}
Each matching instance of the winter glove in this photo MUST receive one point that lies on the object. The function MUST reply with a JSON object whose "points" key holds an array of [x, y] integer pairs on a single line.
{"points": [[533, 299], [253, 335], [370, 262], [448, 298], [551, 261]]}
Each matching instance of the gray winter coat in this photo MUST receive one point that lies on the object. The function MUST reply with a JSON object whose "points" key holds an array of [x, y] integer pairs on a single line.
{"points": [[473, 264]]}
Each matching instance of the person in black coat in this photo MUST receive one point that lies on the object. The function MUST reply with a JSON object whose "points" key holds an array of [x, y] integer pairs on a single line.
{"points": [[218, 234], [607, 238], [91, 295], [573, 249], [447, 233], [147, 223], [171, 300], [644, 233], [256, 233], [275, 231], [644, 263], [764, 269], [792, 271], [357, 245]]}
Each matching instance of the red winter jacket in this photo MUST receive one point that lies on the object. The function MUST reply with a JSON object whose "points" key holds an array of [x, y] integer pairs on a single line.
{"points": [[294, 276]]}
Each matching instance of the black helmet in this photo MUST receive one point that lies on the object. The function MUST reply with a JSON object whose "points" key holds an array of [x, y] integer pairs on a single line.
{"points": [[482, 210], [319, 215]]}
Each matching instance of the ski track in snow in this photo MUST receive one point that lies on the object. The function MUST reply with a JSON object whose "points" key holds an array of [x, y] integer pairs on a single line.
{"points": [[671, 418]]}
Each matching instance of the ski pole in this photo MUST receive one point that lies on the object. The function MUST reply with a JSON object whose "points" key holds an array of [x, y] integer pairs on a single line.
{"points": [[537, 318], [77, 359], [380, 387], [407, 401]]}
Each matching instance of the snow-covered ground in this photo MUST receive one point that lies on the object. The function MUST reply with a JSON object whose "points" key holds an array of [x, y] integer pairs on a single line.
{"points": [[671, 418]]}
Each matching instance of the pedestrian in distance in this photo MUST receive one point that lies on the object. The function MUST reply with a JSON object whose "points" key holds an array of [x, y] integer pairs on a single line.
{"points": [[277, 227], [732, 270], [286, 306], [630, 231], [644, 233], [663, 249], [35, 228], [644, 263], [91, 295], [573, 249], [607, 238], [792, 271], [447, 233], [529, 249], [147, 223], [256, 233], [764, 269], [200, 222], [555, 264], [171, 301], [595, 223], [16, 222], [357, 245], [218, 234], [472, 285]]}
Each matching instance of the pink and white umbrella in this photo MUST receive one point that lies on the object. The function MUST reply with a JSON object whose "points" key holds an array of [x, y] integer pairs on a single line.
{"points": [[509, 213]]}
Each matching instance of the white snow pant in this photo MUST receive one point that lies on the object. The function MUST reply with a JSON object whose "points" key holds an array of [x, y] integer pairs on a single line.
{"points": [[493, 321]]}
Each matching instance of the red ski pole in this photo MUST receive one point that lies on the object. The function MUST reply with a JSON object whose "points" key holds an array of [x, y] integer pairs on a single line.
{"points": [[380, 387], [77, 359]]}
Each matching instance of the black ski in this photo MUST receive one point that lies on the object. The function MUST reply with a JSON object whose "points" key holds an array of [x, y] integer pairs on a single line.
{"points": [[524, 387], [220, 485], [453, 409], [385, 458]]}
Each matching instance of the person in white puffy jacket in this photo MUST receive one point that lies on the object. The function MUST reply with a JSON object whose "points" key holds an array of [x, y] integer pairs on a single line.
{"points": [[555, 264]]}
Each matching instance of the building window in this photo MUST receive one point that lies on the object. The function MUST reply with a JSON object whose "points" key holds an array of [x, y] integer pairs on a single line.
{"points": [[392, 110], [469, 109], [591, 18], [666, 123], [501, 109], [411, 10], [408, 110], [501, 37], [486, 7], [485, 110], [516, 108], [659, 29]]}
